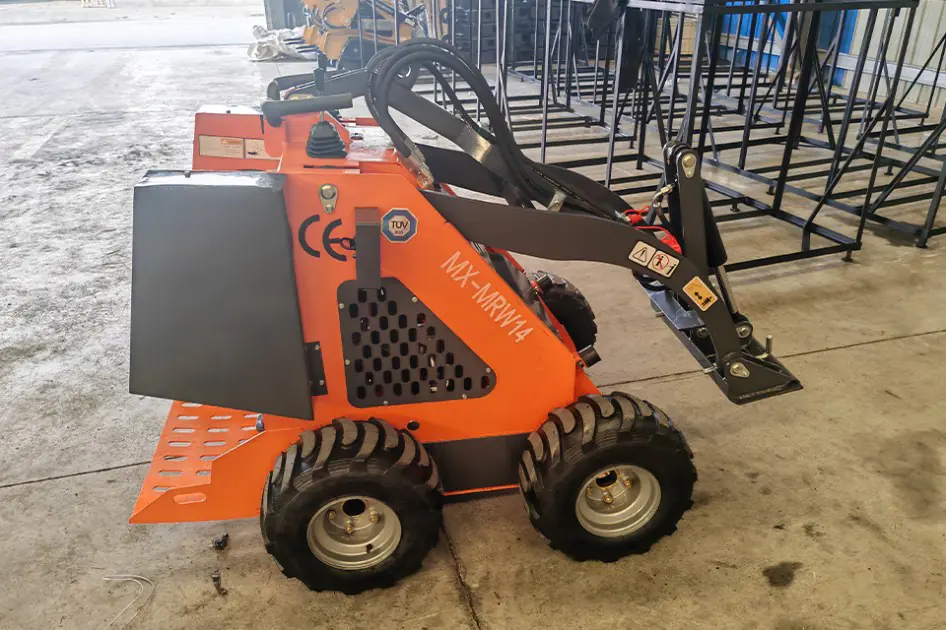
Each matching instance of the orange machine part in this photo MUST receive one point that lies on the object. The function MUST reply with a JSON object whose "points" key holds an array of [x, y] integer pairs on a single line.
{"points": [[534, 373], [211, 463]]}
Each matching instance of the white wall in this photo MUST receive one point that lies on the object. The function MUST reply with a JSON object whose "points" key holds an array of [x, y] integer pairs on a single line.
{"points": [[928, 26]]}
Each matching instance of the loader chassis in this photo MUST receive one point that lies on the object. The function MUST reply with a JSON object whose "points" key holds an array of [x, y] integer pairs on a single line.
{"points": [[268, 342]]}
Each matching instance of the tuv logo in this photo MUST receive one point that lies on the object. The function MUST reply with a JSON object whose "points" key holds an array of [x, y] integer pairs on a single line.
{"points": [[399, 225]]}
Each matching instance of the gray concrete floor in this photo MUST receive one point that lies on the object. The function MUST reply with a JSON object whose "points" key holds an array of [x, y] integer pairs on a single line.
{"points": [[823, 509]]}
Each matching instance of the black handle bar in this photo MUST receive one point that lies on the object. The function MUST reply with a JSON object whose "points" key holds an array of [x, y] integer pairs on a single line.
{"points": [[275, 110]]}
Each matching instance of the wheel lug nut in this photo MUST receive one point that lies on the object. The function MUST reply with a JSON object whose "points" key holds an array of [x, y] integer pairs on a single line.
{"points": [[349, 527], [626, 482], [606, 497], [590, 492], [331, 515], [373, 517]]}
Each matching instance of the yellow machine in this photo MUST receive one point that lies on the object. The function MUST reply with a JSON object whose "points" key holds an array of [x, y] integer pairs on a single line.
{"points": [[349, 32]]}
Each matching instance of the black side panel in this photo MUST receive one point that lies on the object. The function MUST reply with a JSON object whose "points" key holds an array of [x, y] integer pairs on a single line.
{"points": [[478, 462], [214, 312]]}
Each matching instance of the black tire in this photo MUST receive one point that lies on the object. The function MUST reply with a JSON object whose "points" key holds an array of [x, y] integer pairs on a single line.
{"points": [[586, 437], [345, 458], [569, 307]]}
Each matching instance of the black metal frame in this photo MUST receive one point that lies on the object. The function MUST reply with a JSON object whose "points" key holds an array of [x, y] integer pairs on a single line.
{"points": [[728, 94]]}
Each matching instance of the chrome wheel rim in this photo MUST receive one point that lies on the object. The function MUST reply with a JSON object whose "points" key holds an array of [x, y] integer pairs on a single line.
{"points": [[617, 501], [353, 532]]}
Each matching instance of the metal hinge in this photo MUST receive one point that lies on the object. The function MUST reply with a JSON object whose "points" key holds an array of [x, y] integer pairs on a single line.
{"points": [[313, 361]]}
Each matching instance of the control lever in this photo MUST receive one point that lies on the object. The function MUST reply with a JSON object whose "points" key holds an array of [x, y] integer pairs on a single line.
{"points": [[275, 110]]}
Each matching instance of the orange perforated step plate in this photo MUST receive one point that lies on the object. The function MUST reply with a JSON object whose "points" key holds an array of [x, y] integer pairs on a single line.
{"points": [[211, 464]]}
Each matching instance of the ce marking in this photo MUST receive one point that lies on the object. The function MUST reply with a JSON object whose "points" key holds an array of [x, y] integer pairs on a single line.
{"points": [[330, 244]]}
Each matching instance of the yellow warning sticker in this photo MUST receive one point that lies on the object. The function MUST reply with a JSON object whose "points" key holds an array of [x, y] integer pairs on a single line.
{"points": [[700, 293], [642, 253]]}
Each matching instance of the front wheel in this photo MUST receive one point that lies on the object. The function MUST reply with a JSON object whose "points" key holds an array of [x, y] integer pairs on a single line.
{"points": [[606, 477]]}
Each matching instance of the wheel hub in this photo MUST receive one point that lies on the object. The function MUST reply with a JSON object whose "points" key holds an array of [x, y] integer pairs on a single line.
{"points": [[353, 532], [617, 501]]}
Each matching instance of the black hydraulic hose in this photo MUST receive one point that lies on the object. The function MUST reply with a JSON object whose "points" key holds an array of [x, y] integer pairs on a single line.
{"points": [[455, 101], [424, 52], [525, 173], [435, 51]]}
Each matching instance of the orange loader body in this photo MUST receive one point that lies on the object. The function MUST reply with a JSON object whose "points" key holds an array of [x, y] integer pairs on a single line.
{"points": [[211, 463]]}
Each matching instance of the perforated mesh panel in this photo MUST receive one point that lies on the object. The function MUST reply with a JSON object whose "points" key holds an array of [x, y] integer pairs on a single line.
{"points": [[396, 351]]}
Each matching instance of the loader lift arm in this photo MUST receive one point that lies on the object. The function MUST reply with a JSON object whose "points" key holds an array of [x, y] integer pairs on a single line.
{"points": [[582, 220]]}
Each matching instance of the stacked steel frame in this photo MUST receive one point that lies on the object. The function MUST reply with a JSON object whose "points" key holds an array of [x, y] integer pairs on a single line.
{"points": [[645, 82]]}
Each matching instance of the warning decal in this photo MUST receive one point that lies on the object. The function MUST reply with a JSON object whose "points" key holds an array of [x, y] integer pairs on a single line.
{"points": [[220, 146], [700, 293], [664, 264], [256, 149], [642, 253], [658, 262]]}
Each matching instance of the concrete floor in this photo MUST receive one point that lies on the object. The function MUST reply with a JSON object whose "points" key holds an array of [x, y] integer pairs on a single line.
{"points": [[824, 509]]}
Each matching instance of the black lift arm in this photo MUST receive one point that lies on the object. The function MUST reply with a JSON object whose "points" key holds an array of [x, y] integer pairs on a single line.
{"points": [[582, 220]]}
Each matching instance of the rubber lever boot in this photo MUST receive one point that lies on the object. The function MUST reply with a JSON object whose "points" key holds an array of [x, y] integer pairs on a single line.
{"points": [[324, 142]]}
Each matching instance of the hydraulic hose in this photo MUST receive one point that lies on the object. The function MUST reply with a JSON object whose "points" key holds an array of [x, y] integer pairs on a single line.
{"points": [[525, 175]]}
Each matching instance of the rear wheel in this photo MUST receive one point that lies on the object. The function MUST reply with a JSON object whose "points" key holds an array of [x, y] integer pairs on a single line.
{"points": [[606, 477], [352, 506], [570, 307]]}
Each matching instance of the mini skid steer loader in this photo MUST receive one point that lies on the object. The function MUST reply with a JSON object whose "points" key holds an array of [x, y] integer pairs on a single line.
{"points": [[349, 342]]}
